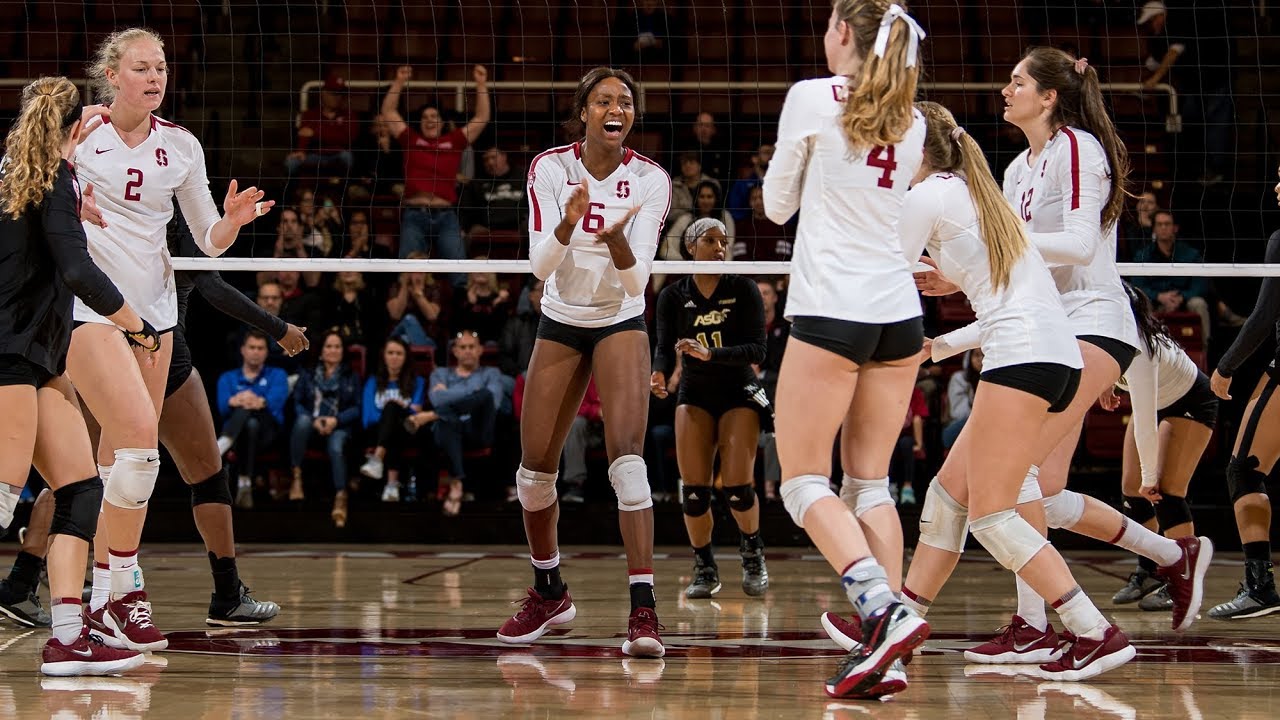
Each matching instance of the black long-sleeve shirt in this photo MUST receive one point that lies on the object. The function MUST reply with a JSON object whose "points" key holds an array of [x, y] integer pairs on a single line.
{"points": [[730, 323], [44, 262], [1263, 321]]}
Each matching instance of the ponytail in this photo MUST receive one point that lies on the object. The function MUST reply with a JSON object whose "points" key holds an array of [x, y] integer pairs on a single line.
{"points": [[877, 108], [50, 107]]}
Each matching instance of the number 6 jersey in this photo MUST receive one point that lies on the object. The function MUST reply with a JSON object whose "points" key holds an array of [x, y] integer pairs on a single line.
{"points": [[848, 262], [135, 188]]}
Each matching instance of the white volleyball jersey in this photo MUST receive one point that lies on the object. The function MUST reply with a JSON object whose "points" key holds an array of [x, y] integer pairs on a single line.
{"points": [[1023, 321], [1156, 379], [848, 263], [135, 188], [583, 287], [1061, 199]]}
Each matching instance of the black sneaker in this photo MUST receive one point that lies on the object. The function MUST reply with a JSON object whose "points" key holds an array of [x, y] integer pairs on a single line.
{"points": [[706, 580], [1141, 584], [242, 610], [23, 609], [1157, 601], [755, 575], [1257, 596]]}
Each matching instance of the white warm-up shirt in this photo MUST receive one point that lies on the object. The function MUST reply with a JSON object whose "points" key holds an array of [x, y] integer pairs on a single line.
{"points": [[135, 188], [1157, 378], [583, 287], [848, 263]]}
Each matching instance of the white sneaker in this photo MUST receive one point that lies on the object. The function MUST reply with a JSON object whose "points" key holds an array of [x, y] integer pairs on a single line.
{"points": [[224, 444], [391, 493], [372, 468]]}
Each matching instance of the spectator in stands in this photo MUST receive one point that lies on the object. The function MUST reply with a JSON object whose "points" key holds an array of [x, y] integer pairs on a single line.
{"points": [[684, 184], [910, 449], [350, 311], [392, 395], [646, 34], [710, 146], [776, 332], [587, 431], [738, 202], [960, 391], [708, 203], [417, 305], [431, 162], [466, 397], [321, 225], [326, 135], [1138, 229], [289, 244], [516, 345], [251, 402], [303, 307], [1183, 293], [271, 299], [758, 237], [495, 201], [327, 405], [483, 307], [379, 163]]}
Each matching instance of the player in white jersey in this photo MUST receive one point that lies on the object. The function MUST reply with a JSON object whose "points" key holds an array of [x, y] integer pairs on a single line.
{"points": [[847, 148], [596, 213], [139, 164], [1174, 414]]}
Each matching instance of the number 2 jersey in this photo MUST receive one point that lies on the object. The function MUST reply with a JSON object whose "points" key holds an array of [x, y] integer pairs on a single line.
{"points": [[730, 324], [583, 286], [135, 188], [848, 263]]}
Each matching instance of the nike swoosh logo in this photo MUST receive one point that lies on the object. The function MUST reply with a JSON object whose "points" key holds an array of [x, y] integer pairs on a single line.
{"points": [[83, 653], [573, 183], [99, 151], [1077, 664], [1026, 647]]}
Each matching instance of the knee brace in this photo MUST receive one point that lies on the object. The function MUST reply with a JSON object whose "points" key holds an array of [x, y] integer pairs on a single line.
{"points": [[863, 495], [944, 522], [75, 509], [536, 490], [1172, 511], [1030, 491], [1064, 510], [133, 478], [1244, 478], [630, 480], [741, 497], [696, 501], [1010, 539], [1138, 509], [800, 493], [214, 489]]}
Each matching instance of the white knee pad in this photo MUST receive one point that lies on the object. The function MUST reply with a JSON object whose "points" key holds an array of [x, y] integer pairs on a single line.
{"points": [[630, 480], [536, 490], [133, 478], [1010, 539], [1030, 491], [944, 522], [800, 493], [862, 495], [9, 495], [104, 472], [1064, 510]]}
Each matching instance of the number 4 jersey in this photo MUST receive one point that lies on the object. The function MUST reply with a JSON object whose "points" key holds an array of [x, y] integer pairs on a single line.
{"points": [[135, 188], [849, 263]]}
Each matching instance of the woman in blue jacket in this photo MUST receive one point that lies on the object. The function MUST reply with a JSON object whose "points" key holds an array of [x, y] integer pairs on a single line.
{"points": [[327, 402], [393, 410]]}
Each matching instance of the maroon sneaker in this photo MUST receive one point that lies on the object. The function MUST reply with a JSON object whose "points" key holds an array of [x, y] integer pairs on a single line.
{"points": [[536, 616], [1018, 643], [845, 633], [1087, 658], [642, 634], [1185, 579], [130, 619], [86, 656], [98, 626]]}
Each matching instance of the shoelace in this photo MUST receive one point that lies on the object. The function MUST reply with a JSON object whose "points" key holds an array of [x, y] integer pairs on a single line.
{"points": [[528, 605], [140, 613], [645, 619], [753, 564], [1005, 633]]}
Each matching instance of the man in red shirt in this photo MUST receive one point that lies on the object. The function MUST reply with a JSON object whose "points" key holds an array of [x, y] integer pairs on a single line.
{"points": [[431, 160], [325, 134]]}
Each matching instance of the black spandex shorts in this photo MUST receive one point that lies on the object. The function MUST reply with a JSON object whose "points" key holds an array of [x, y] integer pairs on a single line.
{"points": [[180, 365], [1055, 383], [1123, 353], [1198, 404], [861, 342], [17, 370], [583, 339], [718, 397]]}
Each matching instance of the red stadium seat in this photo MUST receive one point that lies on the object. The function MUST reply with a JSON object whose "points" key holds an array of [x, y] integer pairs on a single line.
{"points": [[1185, 328], [1104, 431]]}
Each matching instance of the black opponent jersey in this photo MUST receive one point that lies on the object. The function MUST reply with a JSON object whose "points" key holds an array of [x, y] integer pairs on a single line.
{"points": [[730, 323], [1264, 320]]}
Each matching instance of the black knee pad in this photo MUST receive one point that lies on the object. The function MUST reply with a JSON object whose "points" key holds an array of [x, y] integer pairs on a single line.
{"points": [[697, 500], [741, 497], [75, 509], [1244, 478], [214, 489], [1171, 511], [1137, 509]]}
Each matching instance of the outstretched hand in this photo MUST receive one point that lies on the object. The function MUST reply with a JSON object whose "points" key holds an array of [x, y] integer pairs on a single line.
{"points": [[615, 233], [242, 207], [931, 283]]}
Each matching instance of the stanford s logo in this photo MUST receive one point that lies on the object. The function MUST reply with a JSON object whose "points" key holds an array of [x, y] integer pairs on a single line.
{"points": [[624, 189], [162, 158]]}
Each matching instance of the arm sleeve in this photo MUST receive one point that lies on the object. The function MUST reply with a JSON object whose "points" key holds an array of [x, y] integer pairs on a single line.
{"points": [[956, 341], [1144, 377], [646, 230], [750, 318], [368, 409], [226, 388], [277, 393], [349, 414], [667, 320], [919, 219], [784, 179], [197, 203], [70, 249], [545, 251], [1083, 179], [1262, 320], [236, 304], [958, 399]]}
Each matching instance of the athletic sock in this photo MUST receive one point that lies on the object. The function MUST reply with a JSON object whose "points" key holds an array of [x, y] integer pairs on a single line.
{"points": [[641, 587], [25, 574], [546, 577], [1259, 551], [101, 587], [226, 577], [68, 619], [126, 576], [867, 585], [919, 604], [1031, 607], [705, 555], [1136, 538], [1080, 616]]}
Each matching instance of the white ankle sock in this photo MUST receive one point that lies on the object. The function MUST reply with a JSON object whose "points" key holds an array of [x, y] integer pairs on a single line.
{"points": [[101, 588], [1136, 538], [126, 575], [1081, 616], [68, 619], [915, 602], [1031, 607]]}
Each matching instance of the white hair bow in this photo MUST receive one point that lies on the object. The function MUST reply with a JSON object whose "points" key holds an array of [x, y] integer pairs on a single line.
{"points": [[894, 12]]}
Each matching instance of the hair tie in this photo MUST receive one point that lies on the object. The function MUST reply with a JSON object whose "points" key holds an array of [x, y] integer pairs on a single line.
{"points": [[894, 12], [701, 226], [1081, 65], [72, 115], [956, 132]]}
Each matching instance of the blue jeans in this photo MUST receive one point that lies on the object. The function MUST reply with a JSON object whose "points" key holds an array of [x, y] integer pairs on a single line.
{"points": [[468, 421], [423, 228], [335, 444], [952, 431], [410, 328]]}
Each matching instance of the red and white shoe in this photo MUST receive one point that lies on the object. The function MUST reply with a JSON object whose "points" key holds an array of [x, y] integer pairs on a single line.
{"points": [[129, 618], [642, 634], [98, 626], [1185, 579], [1087, 658], [1018, 643], [845, 633], [86, 656], [536, 615]]}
